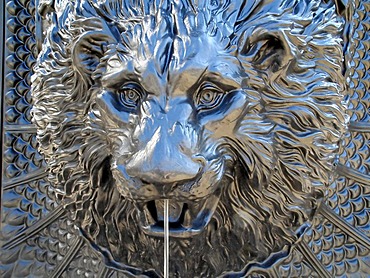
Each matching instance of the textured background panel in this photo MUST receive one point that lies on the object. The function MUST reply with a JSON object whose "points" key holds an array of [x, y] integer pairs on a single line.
{"points": [[20, 53]]}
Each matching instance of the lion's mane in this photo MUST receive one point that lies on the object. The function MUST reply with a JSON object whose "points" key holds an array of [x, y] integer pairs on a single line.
{"points": [[285, 147]]}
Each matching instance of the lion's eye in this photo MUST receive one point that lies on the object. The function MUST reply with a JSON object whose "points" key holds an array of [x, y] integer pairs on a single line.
{"points": [[131, 95], [208, 97]]}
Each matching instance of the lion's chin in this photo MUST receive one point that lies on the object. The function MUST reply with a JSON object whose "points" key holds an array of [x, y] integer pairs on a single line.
{"points": [[185, 219]]}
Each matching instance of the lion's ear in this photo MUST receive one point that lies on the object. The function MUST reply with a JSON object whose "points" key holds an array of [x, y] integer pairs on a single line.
{"points": [[89, 49]]}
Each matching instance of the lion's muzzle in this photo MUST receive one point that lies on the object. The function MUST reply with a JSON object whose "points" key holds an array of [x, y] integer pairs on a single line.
{"points": [[162, 162], [166, 164]]}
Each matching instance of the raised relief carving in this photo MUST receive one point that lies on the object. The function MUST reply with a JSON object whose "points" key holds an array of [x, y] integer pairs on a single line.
{"points": [[231, 110]]}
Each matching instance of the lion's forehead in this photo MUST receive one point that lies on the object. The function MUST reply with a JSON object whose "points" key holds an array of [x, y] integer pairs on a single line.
{"points": [[174, 66]]}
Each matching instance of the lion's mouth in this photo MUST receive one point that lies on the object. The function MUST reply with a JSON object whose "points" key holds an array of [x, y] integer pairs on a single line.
{"points": [[185, 219]]}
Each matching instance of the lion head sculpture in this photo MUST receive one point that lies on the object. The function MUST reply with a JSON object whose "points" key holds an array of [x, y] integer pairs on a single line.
{"points": [[230, 110]]}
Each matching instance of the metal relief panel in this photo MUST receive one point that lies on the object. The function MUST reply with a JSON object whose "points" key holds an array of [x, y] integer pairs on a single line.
{"points": [[246, 156]]}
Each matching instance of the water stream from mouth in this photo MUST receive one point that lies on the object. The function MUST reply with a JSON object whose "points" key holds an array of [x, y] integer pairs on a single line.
{"points": [[166, 239]]}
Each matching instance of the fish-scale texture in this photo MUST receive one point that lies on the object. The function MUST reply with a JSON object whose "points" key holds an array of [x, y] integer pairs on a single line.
{"points": [[20, 155], [294, 266], [87, 263], [24, 205], [350, 200], [359, 64], [356, 146], [356, 151], [42, 254], [37, 257], [337, 252], [21, 53], [59, 237]]}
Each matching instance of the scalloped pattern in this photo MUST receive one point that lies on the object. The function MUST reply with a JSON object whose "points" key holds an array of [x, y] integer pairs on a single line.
{"points": [[351, 200], [20, 154], [87, 263], [41, 254], [21, 53], [359, 64], [355, 151], [294, 266], [338, 252]]}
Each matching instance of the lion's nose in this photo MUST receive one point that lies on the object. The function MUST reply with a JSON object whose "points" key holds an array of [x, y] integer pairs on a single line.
{"points": [[162, 162]]}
